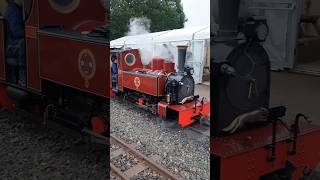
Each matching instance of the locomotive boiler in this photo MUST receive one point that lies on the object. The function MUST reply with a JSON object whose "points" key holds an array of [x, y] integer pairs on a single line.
{"points": [[159, 88], [250, 139]]}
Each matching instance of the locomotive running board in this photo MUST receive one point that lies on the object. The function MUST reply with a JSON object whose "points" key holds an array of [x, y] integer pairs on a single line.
{"points": [[185, 113]]}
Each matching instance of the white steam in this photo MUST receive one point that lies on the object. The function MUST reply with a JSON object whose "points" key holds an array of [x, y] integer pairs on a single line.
{"points": [[165, 51], [149, 51], [139, 26], [145, 51]]}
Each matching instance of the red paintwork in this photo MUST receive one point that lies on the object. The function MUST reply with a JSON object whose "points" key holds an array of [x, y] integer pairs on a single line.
{"points": [[149, 84], [33, 78], [157, 64], [169, 67], [5, 101], [120, 81], [187, 113], [111, 93], [162, 107], [152, 81], [244, 153], [123, 66], [60, 64], [2, 52], [141, 101], [31, 32], [87, 10], [43, 15], [32, 57], [162, 83], [98, 125]]}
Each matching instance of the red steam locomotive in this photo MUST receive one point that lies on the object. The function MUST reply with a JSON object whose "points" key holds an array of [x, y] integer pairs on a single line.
{"points": [[158, 88], [67, 72]]}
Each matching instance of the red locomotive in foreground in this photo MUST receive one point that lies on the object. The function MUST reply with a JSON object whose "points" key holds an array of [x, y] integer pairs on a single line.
{"points": [[67, 72], [252, 141], [159, 88]]}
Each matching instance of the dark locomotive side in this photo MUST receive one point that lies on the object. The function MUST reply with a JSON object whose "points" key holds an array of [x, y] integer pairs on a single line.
{"points": [[66, 73], [250, 138]]}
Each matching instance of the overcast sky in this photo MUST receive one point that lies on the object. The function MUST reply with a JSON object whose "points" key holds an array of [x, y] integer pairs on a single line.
{"points": [[197, 12]]}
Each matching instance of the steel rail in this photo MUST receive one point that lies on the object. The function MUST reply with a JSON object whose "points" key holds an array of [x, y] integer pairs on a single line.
{"points": [[144, 159]]}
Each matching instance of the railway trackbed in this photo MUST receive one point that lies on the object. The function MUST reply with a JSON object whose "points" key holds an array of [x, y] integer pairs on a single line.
{"points": [[200, 129], [142, 164], [36, 151]]}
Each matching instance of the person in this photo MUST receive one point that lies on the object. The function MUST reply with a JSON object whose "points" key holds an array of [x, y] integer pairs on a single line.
{"points": [[15, 42], [114, 72]]}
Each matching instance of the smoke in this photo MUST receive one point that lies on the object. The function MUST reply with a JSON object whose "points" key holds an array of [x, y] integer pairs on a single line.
{"points": [[147, 49], [164, 51], [139, 26]]}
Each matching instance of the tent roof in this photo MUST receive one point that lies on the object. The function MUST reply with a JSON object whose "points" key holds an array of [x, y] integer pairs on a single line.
{"points": [[183, 34], [194, 33]]}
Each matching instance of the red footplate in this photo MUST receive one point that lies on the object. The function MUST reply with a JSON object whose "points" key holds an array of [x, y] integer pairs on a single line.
{"points": [[185, 113], [247, 156]]}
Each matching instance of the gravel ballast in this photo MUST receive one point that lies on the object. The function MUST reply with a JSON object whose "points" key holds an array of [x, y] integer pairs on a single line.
{"points": [[183, 152], [29, 151]]}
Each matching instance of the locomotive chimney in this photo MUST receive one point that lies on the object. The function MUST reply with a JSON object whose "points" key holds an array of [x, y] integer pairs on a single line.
{"points": [[182, 52]]}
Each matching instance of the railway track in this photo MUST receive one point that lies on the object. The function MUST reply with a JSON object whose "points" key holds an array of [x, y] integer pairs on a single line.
{"points": [[144, 163], [200, 129], [197, 127]]}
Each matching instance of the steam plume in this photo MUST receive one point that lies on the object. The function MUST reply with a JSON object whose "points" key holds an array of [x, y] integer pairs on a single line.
{"points": [[139, 26]]}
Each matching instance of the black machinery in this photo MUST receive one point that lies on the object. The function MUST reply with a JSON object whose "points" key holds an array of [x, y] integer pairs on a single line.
{"points": [[180, 85], [241, 67]]}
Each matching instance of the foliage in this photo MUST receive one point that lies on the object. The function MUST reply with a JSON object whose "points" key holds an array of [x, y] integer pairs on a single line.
{"points": [[163, 14]]}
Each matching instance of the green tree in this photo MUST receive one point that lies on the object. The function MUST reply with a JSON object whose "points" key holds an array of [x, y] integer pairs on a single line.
{"points": [[164, 15]]}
